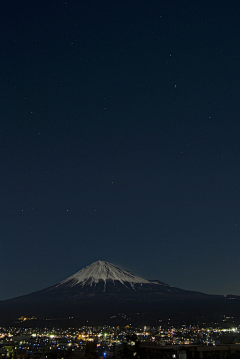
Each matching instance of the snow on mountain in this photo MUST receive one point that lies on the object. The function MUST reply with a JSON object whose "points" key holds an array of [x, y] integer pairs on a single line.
{"points": [[102, 271]]}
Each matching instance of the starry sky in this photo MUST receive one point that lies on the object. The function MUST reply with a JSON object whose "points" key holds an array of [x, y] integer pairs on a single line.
{"points": [[120, 141]]}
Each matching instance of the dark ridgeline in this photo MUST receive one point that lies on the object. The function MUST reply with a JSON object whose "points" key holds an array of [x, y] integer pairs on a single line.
{"points": [[101, 293]]}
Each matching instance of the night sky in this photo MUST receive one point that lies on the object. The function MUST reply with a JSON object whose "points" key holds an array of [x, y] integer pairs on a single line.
{"points": [[120, 141]]}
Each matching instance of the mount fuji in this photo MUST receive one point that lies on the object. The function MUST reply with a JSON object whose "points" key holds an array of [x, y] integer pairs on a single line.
{"points": [[102, 280], [103, 272], [105, 277], [102, 292]]}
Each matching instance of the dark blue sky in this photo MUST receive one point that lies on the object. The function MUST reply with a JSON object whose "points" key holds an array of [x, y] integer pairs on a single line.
{"points": [[120, 141]]}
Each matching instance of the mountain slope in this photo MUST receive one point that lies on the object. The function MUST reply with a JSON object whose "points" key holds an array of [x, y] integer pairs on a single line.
{"points": [[102, 271], [102, 280], [102, 290]]}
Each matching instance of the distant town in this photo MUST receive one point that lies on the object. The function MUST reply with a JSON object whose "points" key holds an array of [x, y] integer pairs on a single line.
{"points": [[163, 341]]}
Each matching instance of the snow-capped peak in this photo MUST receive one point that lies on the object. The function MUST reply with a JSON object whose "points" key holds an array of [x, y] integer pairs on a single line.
{"points": [[102, 271]]}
